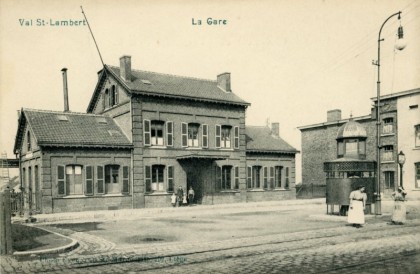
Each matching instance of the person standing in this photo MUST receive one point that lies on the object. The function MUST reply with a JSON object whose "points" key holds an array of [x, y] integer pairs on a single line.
{"points": [[173, 199], [191, 196], [356, 214], [400, 210], [180, 195]]}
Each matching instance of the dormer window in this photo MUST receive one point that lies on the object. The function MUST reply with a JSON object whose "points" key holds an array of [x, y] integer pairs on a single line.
{"points": [[111, 97]]}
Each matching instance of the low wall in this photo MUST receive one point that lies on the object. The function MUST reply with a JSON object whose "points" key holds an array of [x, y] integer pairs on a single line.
{"points": [[76, 204]]}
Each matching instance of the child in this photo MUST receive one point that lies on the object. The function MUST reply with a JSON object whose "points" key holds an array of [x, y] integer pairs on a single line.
{"points": [[173, 199], [184, 200]]}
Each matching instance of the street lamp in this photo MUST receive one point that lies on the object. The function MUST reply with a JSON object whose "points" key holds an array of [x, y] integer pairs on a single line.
{"points": [[401, 161], [400, 45]]}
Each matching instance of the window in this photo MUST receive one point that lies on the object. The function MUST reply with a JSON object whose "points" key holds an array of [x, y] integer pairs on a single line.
{"points": [[225, 137], [110, 179], [113, 96], [351, 147], [254, 176], [417, 165], [89, 180], [29, 141], [389, 179], [155, 178], [153, 133], [156, 133], [193, 134], [362, 147], [226, 178], [277, 176], [69, 180], [340, 149], [388, 153], [417, 135], [388, 126]]}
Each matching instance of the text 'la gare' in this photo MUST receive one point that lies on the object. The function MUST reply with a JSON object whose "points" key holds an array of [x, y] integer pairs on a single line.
{"points": [[210, 21]]}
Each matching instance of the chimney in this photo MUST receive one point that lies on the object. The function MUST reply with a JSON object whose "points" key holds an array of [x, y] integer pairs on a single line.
{"points": [[275, 129], [223, 81], [125, 67], [333, 115], [65, 90]]}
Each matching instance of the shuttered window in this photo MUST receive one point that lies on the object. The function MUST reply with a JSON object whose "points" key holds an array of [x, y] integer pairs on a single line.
{"points": [[184, 134], [169, 134], [170, 179], [236, 132], [126, 180], [205, 139], [89, 180], [100, 179], [61, 180], [148, 178], [236, 177], [218, 135], [146, 132]]}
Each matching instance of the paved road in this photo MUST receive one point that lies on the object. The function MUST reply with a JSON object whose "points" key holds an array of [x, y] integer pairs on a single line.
{"points": [[330, 248]]}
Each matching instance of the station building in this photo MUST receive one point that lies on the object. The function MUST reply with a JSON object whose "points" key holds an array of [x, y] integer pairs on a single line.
{"points": [[144, 135]]}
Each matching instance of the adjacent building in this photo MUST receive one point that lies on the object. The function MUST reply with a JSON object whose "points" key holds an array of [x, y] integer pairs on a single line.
{"points": [[144, 135], [399, 129]]}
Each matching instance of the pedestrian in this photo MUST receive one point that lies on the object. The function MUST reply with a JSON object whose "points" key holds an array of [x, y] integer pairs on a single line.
{"points": [[191, 195], [184, 200], [180, 195], [400, 210], [173, 199], [356, 215]]}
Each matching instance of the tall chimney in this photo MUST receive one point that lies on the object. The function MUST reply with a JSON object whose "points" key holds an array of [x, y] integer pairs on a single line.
{"points": [[223, 81], [65, 89], [275, 129], [333, 115], [125, 67]]}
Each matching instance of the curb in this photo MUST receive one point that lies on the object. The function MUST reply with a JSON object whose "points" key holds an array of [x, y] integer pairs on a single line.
{"points": [[61, 249]]}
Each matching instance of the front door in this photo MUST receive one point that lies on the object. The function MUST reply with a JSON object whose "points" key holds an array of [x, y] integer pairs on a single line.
{"points": [[193, 181]]}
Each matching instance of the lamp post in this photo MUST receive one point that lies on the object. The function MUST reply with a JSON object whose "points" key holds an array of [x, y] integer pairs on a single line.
{"points": [[400, 46], [401, 161]]}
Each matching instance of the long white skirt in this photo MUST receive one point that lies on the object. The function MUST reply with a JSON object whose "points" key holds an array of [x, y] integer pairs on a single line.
{"points": [[356, 214], [400, 211]]}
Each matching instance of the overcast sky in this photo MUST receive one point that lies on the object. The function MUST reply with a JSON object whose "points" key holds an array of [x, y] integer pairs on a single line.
{"points": [[292, 60]]}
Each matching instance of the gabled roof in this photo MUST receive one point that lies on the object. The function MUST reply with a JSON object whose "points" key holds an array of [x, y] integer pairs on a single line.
{"points": [[166, 85], [260, 139], [69, 129]]}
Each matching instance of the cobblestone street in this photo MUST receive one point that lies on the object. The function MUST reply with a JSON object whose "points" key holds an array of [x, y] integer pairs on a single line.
{"points": [[326, 244]]}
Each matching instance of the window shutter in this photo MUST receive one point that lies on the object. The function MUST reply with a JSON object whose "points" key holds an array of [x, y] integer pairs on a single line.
{"points": [[100, 179], [148, 178], [205, 139], [61, 180], [287, 178], [236, 129], [218, 177], [184, 134], [169, 134], [218, 135], [265, 171], [146, 132], [236, 177], [170, 179], [89, 180], [126, 180], [116, 95], [249, 176]]}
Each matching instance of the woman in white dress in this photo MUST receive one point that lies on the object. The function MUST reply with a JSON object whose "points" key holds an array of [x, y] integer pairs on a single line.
{"points": [[356, 215], [400, 211]]}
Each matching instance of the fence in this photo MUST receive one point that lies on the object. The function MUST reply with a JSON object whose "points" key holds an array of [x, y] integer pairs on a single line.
{"points": [[5, 223], [309, 191]]}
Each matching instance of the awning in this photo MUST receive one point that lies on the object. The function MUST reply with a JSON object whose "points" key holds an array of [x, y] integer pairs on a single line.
{"points": [[202, 157]]}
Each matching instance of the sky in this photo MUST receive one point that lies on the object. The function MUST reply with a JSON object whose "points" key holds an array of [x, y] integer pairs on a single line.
{"points": [[292, 60]]}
